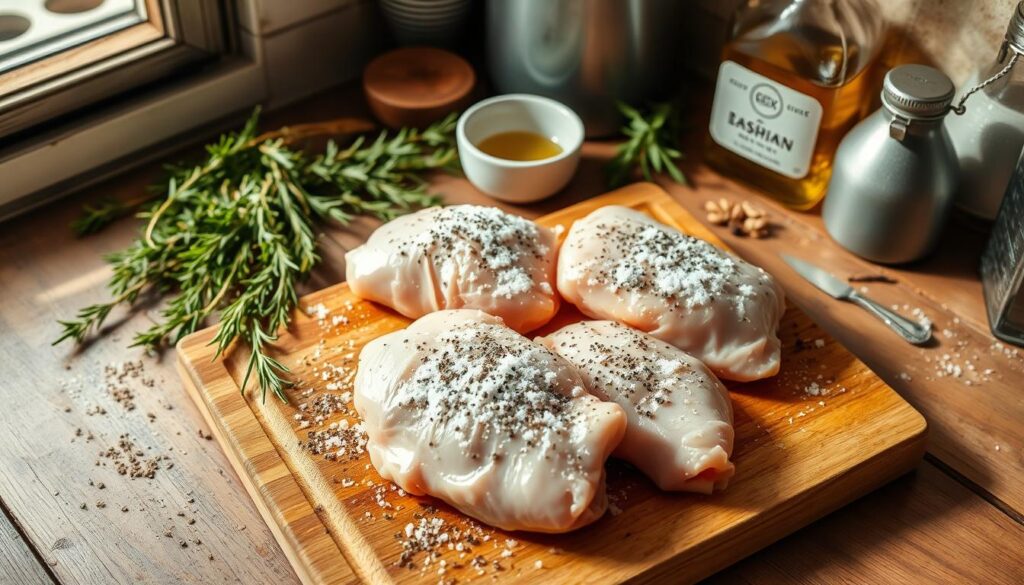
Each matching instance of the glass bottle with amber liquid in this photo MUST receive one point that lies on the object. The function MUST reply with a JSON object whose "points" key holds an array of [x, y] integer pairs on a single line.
{"points": [[794, 78]]}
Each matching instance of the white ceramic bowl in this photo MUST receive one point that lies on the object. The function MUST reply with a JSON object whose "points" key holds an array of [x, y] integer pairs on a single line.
{"points": [[519, 181]]}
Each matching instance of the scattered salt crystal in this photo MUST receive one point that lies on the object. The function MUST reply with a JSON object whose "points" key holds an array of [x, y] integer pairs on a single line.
{"points": [[920, 315], [319, 310], [815, 389]]}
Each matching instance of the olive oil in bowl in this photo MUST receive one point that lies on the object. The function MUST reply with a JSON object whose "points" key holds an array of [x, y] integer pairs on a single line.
{"points": [[519, 146]]}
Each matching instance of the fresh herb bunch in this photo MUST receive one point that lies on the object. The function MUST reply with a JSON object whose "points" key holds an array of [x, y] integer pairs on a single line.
{"points": [[652, 145], [235, 233]]}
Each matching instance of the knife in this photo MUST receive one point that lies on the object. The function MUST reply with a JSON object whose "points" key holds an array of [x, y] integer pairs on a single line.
{"points": [[916, 333]]}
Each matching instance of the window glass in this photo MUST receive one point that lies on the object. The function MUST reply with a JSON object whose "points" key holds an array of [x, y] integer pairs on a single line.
{"points": [[31, 30]]}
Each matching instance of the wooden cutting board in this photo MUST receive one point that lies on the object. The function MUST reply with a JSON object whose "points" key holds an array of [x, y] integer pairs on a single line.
{"points": [[823, 432]]}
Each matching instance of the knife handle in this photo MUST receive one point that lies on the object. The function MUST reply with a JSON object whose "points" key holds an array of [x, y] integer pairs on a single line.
{"points": [[913, 332]]}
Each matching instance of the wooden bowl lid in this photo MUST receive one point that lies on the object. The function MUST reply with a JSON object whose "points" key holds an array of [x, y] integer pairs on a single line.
{"points": [[414, 86]]}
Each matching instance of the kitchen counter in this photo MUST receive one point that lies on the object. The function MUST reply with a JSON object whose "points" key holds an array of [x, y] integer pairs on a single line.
{"points": [[69, 517]]}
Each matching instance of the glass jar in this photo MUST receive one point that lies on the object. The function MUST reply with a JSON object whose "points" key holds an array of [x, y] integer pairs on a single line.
{"points": [[989, 133], [793, 80]]}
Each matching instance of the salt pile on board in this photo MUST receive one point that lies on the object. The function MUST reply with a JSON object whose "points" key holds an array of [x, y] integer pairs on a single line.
{"points": [[339, 440], [327, 321], [429, 540]]}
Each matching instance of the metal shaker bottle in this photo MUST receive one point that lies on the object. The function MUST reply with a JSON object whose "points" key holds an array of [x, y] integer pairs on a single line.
{"points": [[895, 173]]}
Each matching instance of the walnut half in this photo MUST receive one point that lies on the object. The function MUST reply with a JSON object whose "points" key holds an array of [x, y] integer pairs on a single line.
{"points": [[743, 217]]}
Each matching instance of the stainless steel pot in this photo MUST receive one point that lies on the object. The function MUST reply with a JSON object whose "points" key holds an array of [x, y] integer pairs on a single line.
{"points": [[586, 53]]}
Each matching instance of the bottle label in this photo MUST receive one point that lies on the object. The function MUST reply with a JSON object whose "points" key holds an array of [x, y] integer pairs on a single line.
{"points": [[764, 121]]}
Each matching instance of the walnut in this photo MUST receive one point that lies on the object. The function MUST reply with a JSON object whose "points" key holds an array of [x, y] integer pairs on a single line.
{"points": [[743, 218]]}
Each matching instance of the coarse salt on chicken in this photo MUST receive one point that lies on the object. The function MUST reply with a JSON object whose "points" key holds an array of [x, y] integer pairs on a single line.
{"points": [[620, 264], [461, 407], [679, 416], [464, 256]]}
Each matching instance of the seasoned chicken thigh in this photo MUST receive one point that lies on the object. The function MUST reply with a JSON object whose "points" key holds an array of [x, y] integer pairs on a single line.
{"points": [[465, 256], [461, 407], [679, 416], [620, 264]]}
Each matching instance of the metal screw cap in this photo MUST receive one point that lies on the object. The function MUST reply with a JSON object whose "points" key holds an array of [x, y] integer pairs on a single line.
{"points": [[917, 92]]}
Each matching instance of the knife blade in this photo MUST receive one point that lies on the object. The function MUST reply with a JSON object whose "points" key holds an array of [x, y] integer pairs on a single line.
{"points": [[819, 277]]}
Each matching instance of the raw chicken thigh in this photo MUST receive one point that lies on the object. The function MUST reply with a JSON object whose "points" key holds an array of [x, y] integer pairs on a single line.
{"points": [[465, 256], [620, 264], [461, 407], [679, 417]]}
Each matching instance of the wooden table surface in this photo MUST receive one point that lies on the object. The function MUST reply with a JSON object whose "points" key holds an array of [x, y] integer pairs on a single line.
{"points": [[69, 517]]}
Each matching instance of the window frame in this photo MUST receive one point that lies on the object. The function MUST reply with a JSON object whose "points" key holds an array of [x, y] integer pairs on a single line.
{"points": [[46, 160], [175, 33]]}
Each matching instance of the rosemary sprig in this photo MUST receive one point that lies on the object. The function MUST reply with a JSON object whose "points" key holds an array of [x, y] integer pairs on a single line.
{"points": [[652, 145], [235, 233], [98, 216]]}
